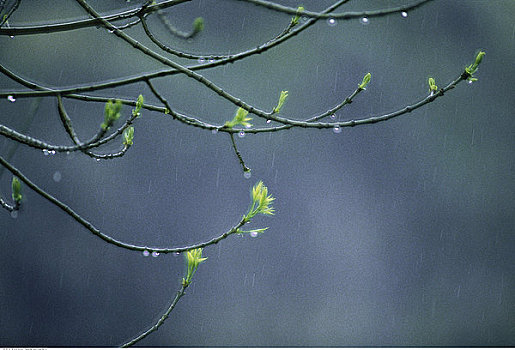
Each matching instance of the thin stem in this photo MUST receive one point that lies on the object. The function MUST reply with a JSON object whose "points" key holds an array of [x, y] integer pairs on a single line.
{"points": [[238, 154], [84, 23], [154, 328], [344, 15]]}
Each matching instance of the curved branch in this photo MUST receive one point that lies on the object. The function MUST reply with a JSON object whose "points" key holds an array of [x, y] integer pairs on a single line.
{"points": [[344, 15], [90, 227], [84, 23]]}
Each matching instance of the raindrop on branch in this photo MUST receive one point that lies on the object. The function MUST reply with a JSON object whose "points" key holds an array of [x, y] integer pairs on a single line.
{"points": [[11, 98], [337, 129], [404, 14], [201, 60], [331, 22], [247, 174], [253, 234], [155, 254], [241, 134], [146, 253], [14, 214], [364, 20]]}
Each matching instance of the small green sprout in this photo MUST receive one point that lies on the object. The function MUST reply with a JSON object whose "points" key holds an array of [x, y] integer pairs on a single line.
{"points": [[139, 105], [128, 136], [470, 70], [112, 112], [261, 202], [282, 99], [239, 118], [16, 189], [432, 85], [295, 19], [198, 25], [366, 80], [194, 258]]}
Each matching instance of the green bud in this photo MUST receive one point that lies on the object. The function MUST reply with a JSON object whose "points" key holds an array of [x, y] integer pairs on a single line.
{"points": [[198, 24], [139, 105], [432, 85], [282, 99], [128, 135], [239, 118], [470, 70], [112, 112], [366, 80], [16, 189], [295, 19]]}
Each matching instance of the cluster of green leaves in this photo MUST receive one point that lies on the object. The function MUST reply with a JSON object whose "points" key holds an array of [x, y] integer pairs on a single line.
{"points": [[432, 85], [112, 113], [193, 258], [239, 118], [365, 81]]}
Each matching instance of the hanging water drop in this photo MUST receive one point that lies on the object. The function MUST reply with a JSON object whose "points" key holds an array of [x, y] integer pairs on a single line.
{"points": [[241, 134], [201, 60], [364, 20], [404, 14], [214, 131], [14, 214], [268, 121], [146, 253], [155, 254], [333, 116], [254, 234], [337, 129], [211, 60], [57, 176], [247, 174], [176, 254], [331, 22], [11, 98]]}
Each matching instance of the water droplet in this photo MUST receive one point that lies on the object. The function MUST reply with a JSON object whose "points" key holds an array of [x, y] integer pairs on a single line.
{"points": [[201, 60], [241, 134], [333, 116], [331, 22], [155, 254], [247, 174], [176, 254], [304, 19], [431, 93], [404, 14], [337, 129], [11, 36], [268, 121], [70, 155], [48, 152], [469, 82], [253, 234], [146, 253], [57, 176], [11, 98], [211, 60], [364, 20], [214, 131]]}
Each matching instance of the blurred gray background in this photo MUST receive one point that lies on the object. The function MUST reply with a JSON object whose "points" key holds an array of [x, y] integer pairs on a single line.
{"points": [[393, 234]]}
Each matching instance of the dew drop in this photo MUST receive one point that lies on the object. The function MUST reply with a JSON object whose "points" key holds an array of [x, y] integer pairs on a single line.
{"points": [[241, 134], [176, 254], [253, 234], [155, 254], [14, 214], [268, 121], [11, 36], [11, 98], [404, 14], [48, 152], [331, 22], [247, 174], [146, 253], [211, 60], [469, 82], [214, 131], [57, 176], [333, 116], [201, 60], [364, 20], [337, 129]]}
